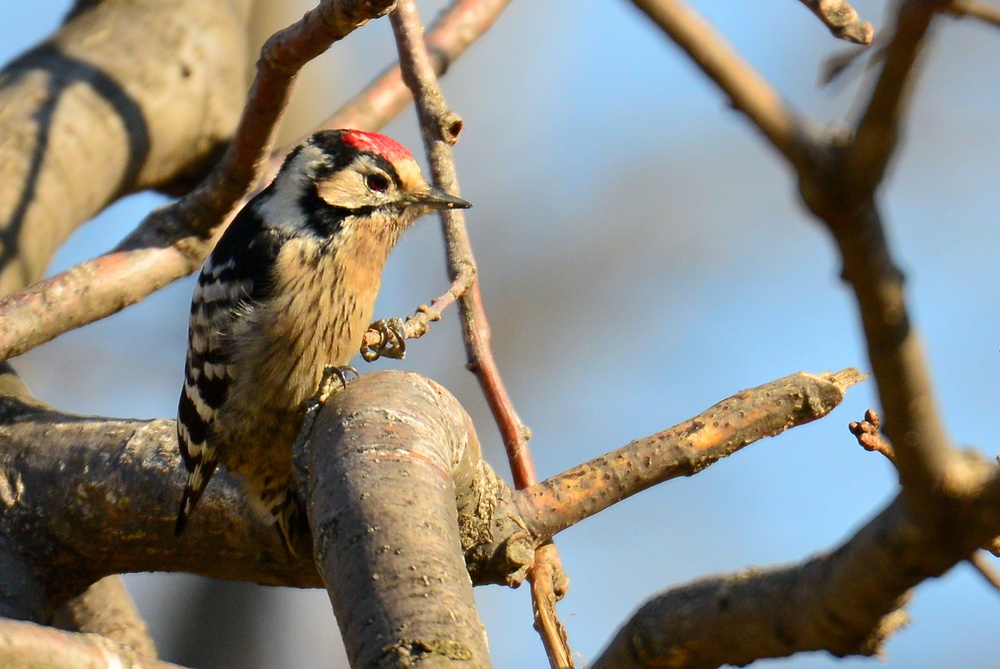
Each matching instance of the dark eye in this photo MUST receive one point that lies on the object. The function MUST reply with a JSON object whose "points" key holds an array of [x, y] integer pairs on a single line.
{"points": [[377, 183]]}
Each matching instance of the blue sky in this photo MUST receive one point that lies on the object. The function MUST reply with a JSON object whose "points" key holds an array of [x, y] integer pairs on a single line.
{"points": [[644, 255]]}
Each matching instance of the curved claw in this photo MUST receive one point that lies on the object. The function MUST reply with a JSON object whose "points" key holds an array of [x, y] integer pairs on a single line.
{"points": [[331, 372], [392, 333]]}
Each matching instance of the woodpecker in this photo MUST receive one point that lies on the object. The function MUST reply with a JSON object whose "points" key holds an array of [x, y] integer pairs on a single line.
{"points": [[288, 291]]}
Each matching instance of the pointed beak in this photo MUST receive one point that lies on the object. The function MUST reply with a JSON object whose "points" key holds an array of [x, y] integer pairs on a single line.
{"points": [[438, 199]]}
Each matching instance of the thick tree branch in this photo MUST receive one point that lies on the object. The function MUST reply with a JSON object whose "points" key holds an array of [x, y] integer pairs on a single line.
{"points": [[380, 470], [116, 484], [25, 645], [106, 608], [845, 603], [81, 108]]}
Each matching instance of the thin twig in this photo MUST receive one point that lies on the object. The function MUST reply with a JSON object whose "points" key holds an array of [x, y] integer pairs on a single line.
{"points": [[842, 20], [440, 127], [172, 241], [877, 130], [868, 435]]}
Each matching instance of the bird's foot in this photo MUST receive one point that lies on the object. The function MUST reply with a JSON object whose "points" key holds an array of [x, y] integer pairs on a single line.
{"points": [[332, 377], [392, 340]]}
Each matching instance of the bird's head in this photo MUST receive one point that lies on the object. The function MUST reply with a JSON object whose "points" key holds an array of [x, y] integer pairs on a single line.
{"points": [[341, 182]]}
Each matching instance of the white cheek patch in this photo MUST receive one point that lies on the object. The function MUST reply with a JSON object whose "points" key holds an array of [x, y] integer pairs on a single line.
{"points": [[282, 209]]}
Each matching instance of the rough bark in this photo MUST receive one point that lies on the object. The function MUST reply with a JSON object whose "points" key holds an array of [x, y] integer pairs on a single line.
{"points": [[379, 475]]}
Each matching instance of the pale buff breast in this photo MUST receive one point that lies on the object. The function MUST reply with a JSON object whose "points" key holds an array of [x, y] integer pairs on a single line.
{"points": [[312, 321]]}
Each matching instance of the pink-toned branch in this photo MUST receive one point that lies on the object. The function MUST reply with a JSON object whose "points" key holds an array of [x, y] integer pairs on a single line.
{"points": [[440, 127]]}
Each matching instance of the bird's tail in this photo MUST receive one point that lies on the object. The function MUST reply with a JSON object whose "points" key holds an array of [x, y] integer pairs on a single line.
{"points": [[196, 484]]}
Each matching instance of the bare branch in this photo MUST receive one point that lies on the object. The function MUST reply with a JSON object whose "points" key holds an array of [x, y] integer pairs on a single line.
{"points": [[106, 608], [842, 20], [29, 645], [116, 489], [393, 444], [838, 179], [846, 602], [683, 450], [877, 130]]}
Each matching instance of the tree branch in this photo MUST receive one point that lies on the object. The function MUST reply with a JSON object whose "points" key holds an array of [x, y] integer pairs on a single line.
{"points": [[845, 603], [116, 485], [683, 450], [838, 180], [106, 608], [394, 444], [28, 645], [877, 130], [83, 109], [840, 188], [842, 20]]}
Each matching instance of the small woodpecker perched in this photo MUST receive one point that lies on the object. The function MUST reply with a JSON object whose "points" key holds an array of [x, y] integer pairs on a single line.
{"points": [[288, 291]]}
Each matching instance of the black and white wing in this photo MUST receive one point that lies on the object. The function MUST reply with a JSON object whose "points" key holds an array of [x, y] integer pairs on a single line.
{"points": [[232, 281]]}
